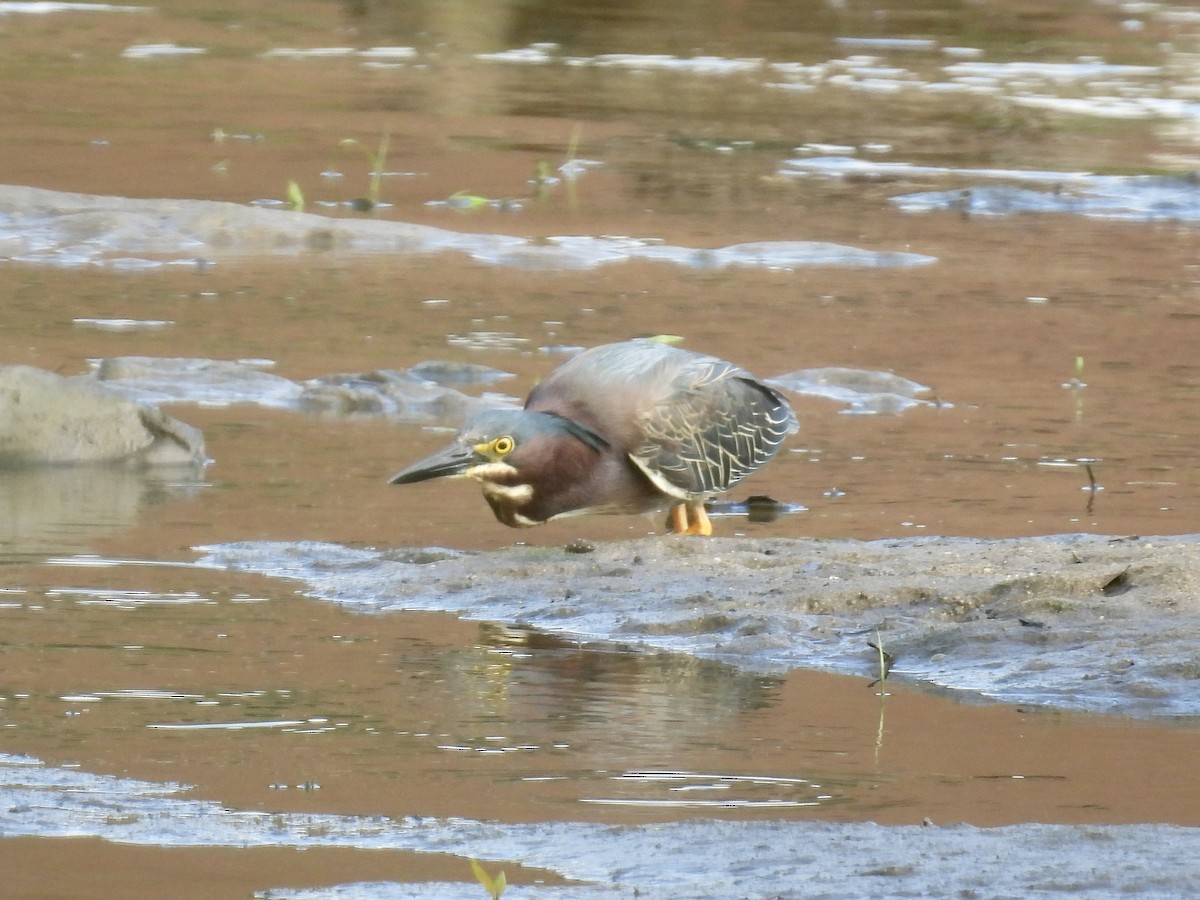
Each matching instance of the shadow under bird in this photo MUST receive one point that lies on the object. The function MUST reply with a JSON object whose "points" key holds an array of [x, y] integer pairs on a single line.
{"points": [[621, 428]]}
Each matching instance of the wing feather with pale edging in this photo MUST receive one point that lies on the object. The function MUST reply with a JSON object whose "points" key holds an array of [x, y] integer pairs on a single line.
{"points": [[716, 426]]}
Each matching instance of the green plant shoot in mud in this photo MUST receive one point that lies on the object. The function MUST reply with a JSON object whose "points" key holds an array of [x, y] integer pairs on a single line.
{"points": [[295, 196], [882, 664], [569, 167], [543, 178], [494, 886], [1076, 382], [543, 175], [377, 159], [883, 658], [467, 200], [886, 661]]}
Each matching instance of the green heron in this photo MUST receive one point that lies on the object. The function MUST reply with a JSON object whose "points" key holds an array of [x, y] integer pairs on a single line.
{"points": [[628, 427]]}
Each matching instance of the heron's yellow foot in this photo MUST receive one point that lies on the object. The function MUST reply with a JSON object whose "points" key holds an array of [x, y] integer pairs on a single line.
{"points": [[690, 518]]}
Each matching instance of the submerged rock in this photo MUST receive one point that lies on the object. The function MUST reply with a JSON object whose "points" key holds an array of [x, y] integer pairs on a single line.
{"points": [[397, 394], [46, 419], [445, 371], [214, 382], [65, 229], [388, 392], [1141, 198], [861, 391]]}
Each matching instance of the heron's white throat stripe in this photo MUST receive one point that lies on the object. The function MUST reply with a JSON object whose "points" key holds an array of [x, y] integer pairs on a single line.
{"points": [[491, 477]]}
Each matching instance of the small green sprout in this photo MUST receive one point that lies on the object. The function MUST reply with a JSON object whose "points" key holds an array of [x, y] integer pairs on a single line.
{"points": [[573, 146], [569, 166], [295, 196], [883, 658], [1077, 382], [543, 178], [886, 661], [377, 159], [464, 200], [494, 886]]}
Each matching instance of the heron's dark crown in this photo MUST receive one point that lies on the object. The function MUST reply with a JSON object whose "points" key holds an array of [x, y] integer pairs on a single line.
{"points": [[523, 426]]}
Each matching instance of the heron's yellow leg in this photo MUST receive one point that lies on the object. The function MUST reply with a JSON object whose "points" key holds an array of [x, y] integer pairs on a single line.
{"points": [[690, 518], [700, 523]]}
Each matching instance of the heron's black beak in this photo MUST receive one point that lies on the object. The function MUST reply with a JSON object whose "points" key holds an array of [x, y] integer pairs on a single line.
{"points": [[447, 462]]}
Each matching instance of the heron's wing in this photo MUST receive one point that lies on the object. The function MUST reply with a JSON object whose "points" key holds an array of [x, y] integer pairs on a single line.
{"points": [[714, 426]]}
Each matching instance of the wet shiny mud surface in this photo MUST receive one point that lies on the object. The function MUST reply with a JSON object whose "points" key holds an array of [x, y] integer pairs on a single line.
{"points": [[282, 672]]}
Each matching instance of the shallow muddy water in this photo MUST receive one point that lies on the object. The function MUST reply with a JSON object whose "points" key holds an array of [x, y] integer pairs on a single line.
{"points": [[241, 670]]}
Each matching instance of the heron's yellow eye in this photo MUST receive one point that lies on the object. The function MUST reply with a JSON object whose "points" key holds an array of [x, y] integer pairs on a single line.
{"points": [[502, 446]]}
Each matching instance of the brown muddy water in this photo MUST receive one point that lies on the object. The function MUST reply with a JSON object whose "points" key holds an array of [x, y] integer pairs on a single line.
{"points": [[1053, 316]]}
